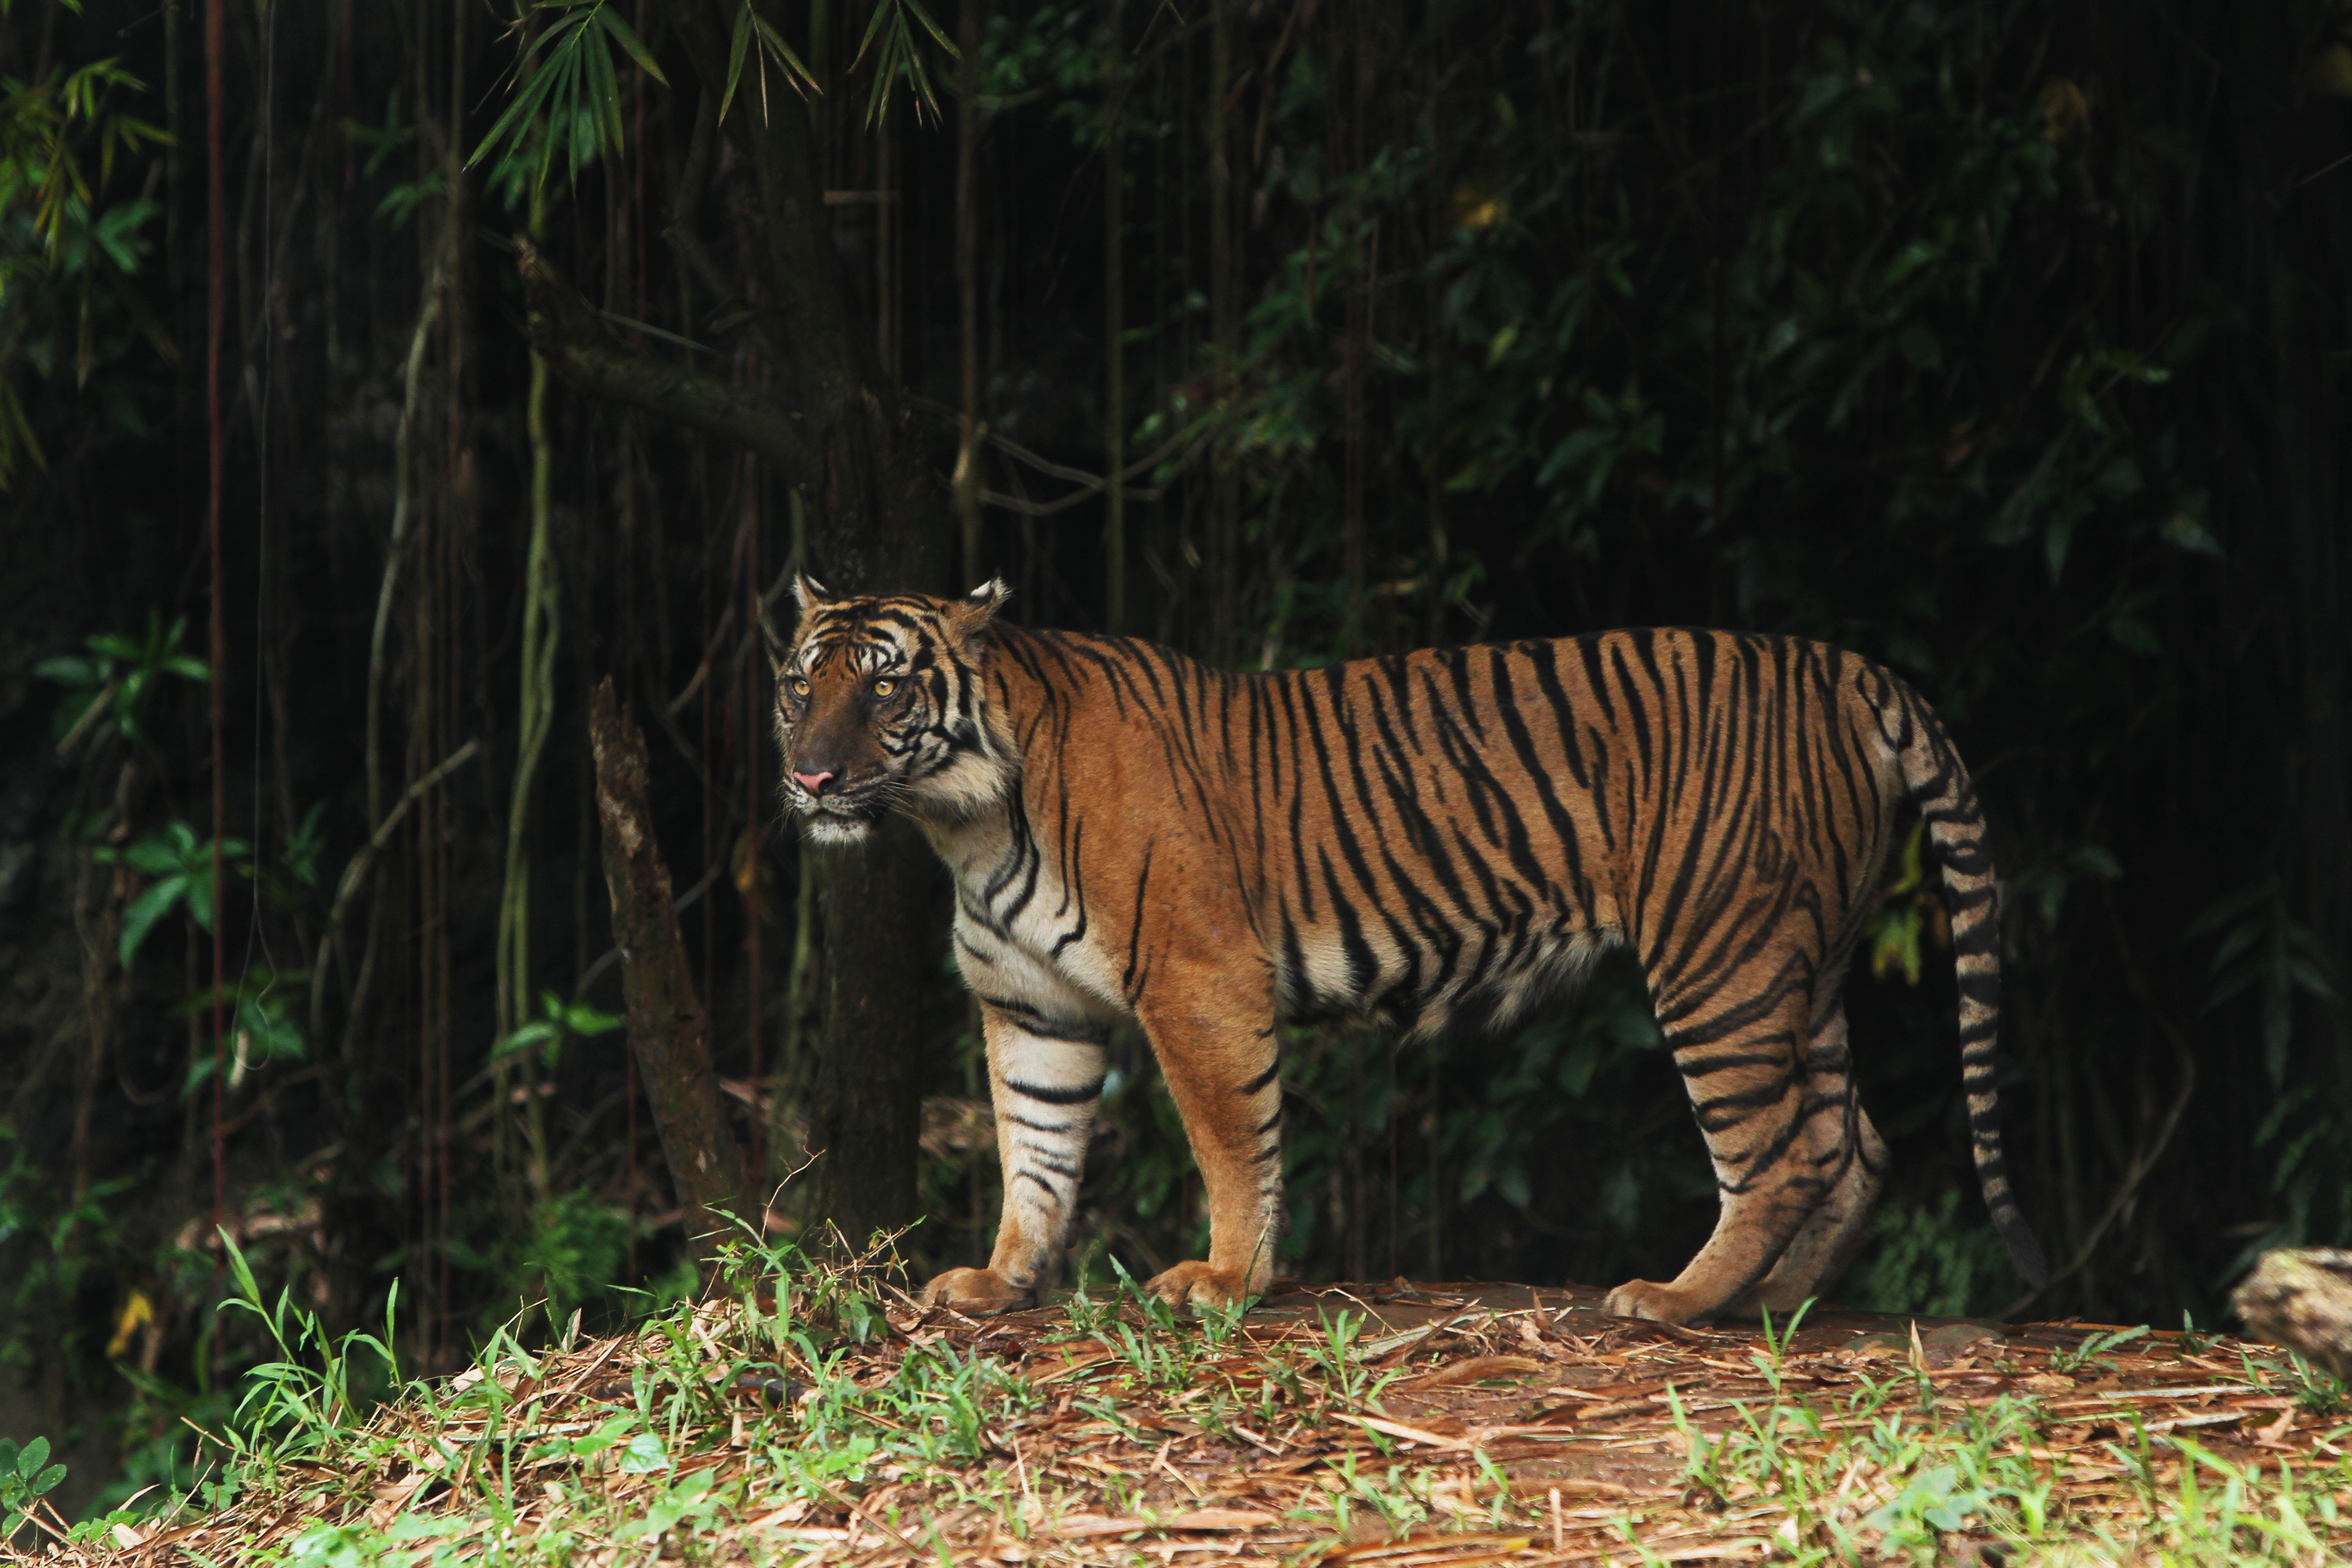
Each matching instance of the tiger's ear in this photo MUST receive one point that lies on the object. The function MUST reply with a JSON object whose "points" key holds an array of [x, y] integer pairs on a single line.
{"points": [[808, 593], [972, 613]]}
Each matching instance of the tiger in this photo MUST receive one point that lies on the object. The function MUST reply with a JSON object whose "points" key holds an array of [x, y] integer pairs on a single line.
{"points": [[1435, 839]]}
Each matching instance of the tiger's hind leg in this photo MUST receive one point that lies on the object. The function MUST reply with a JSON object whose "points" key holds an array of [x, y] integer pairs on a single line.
{"points": [[1854, 1162], [1750, 1089]]}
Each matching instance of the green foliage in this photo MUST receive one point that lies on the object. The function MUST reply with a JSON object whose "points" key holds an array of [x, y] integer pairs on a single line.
{"points": [[1561, 1069], [564, 1258], [891, 36], [2264, 949], [748, 27], [1933, 1502], [1863, 1479], [1336, 1355], [318, 1386], [2092, 1351], [25, 1476], [1905, 908], [43, 179], [66, 261], [164, 1458], [258, 1004], [47, 1243], [2317, 1390], [1928, 1259], [1581, 375], [558, 1021], [1053, 50], [180, 867], [1771, 1360], [1937, 1470], [300, 854], [576, 1253], [2264, 953], [569, 90], [401, 202], [567, 98], [107, 693], [2044, 883], [2311, 1174]]}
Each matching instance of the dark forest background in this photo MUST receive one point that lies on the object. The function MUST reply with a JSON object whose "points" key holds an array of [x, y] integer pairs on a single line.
{"points": [[2003, 340]]}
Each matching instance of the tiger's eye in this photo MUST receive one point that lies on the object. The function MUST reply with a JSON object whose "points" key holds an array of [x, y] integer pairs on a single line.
{"points": [[884, 688], [800, 685]]}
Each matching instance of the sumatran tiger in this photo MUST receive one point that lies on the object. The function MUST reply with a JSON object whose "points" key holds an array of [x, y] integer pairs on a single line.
{"points": [[1430, 839]]}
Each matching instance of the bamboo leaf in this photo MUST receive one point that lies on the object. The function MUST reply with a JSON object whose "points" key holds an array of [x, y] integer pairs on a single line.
{"points": [[735, 49], [601, 84], [613, 23], [882, 12], [2311, 979], [896, 56], [2223, 910], [520, 113], [781, 53], [548, 98], [932, 28]]}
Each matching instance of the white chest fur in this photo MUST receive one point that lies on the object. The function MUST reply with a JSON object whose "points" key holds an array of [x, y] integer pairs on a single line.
{"points": [[1025, 931]]}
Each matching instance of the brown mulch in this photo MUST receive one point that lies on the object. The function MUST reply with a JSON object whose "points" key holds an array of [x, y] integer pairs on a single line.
{"points": [[1537, 1429]]}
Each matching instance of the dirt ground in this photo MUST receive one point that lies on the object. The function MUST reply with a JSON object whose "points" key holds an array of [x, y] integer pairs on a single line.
{"points": [[1455, 1424]]}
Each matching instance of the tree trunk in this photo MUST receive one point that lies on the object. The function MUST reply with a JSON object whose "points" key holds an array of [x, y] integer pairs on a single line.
{"points": [[875, 915], [839, 435]]}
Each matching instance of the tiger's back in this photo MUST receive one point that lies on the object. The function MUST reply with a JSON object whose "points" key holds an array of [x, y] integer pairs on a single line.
{"points": [[1439, 839]]}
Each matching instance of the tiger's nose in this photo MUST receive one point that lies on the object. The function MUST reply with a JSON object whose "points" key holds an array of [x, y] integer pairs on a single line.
{"points": [[813, 783]]}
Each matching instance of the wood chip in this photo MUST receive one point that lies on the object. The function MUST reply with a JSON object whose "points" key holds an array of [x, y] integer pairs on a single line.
{"points": [[1155, 1469], [1477, 1369]]}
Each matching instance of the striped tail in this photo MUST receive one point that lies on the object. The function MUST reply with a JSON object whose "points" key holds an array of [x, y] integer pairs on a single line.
{"points": [[1938, 785]]}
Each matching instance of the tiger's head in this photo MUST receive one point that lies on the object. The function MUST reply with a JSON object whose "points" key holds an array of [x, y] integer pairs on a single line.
{"points": [[880, 702]]}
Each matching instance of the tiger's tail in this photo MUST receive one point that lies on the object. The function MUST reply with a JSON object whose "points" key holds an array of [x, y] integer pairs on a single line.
{"points": [[1938, 785]]}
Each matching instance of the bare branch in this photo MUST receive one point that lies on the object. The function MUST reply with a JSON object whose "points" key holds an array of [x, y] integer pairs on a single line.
{"points": [[668, 1032], [568, 332]]}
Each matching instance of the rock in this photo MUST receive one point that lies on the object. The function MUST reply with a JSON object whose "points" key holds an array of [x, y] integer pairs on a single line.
{"points": [[2302, 1299]]}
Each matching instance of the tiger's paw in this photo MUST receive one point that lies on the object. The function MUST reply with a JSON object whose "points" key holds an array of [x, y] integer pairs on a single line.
{"points": [[978, 1291], [1197, 1284], [1657, 1303]]}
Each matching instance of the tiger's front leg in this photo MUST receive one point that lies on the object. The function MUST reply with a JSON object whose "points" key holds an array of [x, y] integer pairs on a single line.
{"points": [[1218, 1053], [1046, 1074]]}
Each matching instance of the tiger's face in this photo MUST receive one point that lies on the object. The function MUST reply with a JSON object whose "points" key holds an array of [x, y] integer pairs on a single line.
{"points": [[880, 703]]}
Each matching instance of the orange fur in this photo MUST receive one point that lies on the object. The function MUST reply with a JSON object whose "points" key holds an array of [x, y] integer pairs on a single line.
{"points": [[1444, 837]]}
